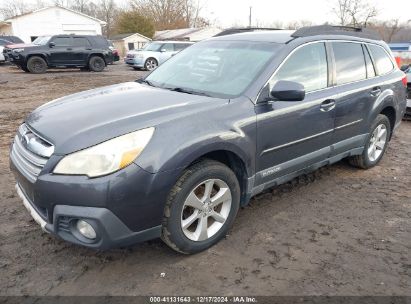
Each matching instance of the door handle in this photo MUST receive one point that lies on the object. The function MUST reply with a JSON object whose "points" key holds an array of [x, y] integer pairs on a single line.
{"points": [[69, 49], [327, 105], [375, 91]]}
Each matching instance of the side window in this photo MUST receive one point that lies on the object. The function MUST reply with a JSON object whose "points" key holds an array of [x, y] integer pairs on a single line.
{"points": [[382, 61], [307, 65], [349, 61], [368, 63], [81, 42], [169, 47], [180, 46], [62, 41]]}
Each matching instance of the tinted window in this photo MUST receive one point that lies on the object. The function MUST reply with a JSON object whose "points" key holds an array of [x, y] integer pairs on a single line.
{"points": [[168, 47], [80, 42], [368, 63], [62, 41], [307, 65], [349, 61], [180, 46], [382, 61]]}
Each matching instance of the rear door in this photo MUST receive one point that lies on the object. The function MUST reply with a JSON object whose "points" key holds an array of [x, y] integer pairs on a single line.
{"points": [[293, 135], [62, 52], [358, 88], [81, 48]]}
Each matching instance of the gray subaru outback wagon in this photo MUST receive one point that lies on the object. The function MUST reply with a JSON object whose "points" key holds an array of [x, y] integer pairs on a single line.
{"points": [[174, 155]]}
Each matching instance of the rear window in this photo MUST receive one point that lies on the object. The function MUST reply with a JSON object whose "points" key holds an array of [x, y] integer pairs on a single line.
{"points": [[80, 42], [382, 61], [349, 61]]}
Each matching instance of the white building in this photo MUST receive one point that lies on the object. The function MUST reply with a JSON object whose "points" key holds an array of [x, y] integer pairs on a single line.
{"points": [[127, 42], [52, 20]]}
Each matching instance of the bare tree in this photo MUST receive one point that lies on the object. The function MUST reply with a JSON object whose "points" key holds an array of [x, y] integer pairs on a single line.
{"points": [[171, 14], [357, 13], [388, 29], [13, 8]]}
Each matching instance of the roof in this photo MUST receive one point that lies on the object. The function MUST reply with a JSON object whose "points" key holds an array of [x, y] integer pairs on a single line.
{"points": [[278, 36], [126, 35], [188, 34], [56, 6]]}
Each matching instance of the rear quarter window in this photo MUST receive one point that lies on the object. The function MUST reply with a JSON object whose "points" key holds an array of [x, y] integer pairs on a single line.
{"points": [[382, 61], [349, 62]]}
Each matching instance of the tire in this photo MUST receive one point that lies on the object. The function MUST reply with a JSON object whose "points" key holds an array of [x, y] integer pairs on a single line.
{"points": [[36, 65], [377, 140], [96, 64], [151, 64], [192, 238]]}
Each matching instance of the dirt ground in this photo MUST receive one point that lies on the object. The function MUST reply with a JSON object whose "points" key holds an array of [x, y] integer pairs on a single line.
{"points": [[340, 231]]}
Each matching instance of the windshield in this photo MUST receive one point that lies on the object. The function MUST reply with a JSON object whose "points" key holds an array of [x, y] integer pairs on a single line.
{"points": [[217, 68], [153, 47], [42, 40]]}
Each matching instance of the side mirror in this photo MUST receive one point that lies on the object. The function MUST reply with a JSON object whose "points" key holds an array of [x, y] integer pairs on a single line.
{"points": [[52, 44], [288, 91], [163, 50]]}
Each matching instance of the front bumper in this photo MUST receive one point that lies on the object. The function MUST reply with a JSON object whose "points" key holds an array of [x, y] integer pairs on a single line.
{"points": [[111, 231], [135, 62], [124, 208]]}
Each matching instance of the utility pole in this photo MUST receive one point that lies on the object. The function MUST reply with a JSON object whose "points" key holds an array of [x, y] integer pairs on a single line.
{"points": [[249, 24]]}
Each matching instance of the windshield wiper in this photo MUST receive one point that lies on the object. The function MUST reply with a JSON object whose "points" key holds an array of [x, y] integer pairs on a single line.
{"points": [[148, 82], [187, 91]]}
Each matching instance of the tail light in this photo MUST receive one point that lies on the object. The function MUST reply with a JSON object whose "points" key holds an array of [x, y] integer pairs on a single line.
{"points": [[404, 80]]}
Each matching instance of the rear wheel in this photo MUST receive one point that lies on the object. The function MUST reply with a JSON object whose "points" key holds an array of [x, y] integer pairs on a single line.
{"points": [[201, 207], [96, 64], [36, 65], [376, 144]]}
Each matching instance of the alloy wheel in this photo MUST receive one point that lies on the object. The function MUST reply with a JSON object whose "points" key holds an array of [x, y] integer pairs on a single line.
{"points": [[377, 142], [151, 64], [206, 209]]}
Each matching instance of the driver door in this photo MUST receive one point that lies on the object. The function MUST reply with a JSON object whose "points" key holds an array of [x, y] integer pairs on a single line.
{"points": [[62, 50], [166, 51], [294, 135]]}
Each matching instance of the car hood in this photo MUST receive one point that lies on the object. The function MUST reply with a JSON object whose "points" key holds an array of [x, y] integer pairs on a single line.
{"points": [[87, 118], [20, 45]]}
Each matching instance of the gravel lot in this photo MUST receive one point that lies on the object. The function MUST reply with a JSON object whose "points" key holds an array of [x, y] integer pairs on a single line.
{"points": [[340, 231]]}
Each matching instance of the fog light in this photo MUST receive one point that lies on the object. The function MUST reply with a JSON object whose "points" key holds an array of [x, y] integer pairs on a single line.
{"points": [[86, 229]]}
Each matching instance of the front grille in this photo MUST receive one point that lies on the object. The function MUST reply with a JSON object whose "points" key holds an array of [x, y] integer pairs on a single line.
{"points": [[64, 224], [30, 153]]}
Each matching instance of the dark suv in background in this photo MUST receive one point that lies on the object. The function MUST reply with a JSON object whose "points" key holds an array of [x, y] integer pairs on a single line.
{"points": [[86, 52], [176, 154]]}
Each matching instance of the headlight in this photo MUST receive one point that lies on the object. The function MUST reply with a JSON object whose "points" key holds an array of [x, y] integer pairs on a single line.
{"points": [[18, 50], [106, 157]]}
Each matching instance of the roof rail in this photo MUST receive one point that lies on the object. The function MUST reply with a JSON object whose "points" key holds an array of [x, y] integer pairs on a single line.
{"points": [[237, 30], [336, 30]]}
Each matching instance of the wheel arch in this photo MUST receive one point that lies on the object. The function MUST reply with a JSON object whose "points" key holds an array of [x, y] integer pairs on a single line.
{"points": [[96, 54], [232, 159], [390, 113], [43, 56]]}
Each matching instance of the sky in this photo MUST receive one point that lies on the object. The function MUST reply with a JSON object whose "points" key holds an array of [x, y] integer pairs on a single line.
{"points": [[235, 12], [227, 13]]}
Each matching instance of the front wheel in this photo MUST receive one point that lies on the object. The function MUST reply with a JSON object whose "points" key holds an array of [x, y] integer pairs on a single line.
{"points": [[151, 64], [376, 144], [201, 207], [36, 65]]}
